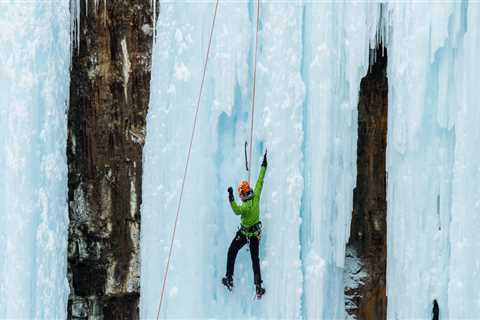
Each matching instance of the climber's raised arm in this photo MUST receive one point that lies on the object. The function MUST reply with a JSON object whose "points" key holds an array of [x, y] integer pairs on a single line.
{"points": [[236, 209], [261, 176]]}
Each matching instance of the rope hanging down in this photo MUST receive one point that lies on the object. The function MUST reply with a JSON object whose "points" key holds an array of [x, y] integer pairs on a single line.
{"points": [[254, 90], [188, 160]]}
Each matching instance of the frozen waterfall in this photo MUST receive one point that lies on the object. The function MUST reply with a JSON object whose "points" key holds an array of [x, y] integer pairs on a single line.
{"points": [[311, 60], [312, 57]]}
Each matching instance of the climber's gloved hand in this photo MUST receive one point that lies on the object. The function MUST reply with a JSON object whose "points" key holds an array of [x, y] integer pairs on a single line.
{"points": [[230, 194], [264, 163]]}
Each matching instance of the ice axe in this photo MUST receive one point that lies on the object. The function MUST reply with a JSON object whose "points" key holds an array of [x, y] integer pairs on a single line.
{"points": [[246, 160]]}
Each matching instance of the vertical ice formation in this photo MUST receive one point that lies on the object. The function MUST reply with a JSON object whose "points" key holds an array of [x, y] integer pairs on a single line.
{"points": [[464, 279], [419, 160], [311, 59], [432, 165], [34, 83], [336, 58], [198, 259]]}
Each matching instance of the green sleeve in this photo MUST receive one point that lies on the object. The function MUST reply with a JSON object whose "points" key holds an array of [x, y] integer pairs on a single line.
{"points": [[259, 185], [236, 209]]}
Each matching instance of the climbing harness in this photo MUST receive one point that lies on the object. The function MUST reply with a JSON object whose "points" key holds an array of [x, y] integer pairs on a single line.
{"points": [[252, 231], [254, 88], [188, 160]]}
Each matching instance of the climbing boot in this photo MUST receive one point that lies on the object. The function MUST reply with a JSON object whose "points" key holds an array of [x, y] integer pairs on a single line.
{"points": [[228, 283], [260, 291]]}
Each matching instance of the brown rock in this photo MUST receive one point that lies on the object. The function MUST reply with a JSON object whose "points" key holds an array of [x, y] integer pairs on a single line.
{"points": [[367, 245], [109, 91]]}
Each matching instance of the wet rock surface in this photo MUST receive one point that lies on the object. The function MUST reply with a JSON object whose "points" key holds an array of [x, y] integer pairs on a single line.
{"points": [[365, 269], [110, 80]]}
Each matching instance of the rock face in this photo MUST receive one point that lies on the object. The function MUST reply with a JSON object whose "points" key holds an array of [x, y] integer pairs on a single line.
{"points": [[365, 274], [110, 80]]}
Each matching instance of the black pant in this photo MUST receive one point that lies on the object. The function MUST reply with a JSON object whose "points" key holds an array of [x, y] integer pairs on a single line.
{"points": [[237, 243]]}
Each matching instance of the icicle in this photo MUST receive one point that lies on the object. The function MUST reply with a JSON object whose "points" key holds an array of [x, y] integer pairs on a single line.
{"points": [[153, 4], [78, 24], [75, 23]]}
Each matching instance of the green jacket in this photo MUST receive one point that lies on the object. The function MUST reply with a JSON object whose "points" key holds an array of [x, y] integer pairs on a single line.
{"points": [[249, 211]]}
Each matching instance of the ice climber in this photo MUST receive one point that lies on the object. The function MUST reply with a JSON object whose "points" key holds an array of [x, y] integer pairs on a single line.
{"points": [[250, 228]]}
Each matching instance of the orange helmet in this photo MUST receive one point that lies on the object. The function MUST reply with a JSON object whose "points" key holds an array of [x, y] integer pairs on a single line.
{"points": [[244, 187]]}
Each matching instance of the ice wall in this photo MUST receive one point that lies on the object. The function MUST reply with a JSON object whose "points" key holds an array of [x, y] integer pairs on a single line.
{"points": [[419, 162], [432, 165], [311, 59], [34, 88], [464, 279], [337, 38]]}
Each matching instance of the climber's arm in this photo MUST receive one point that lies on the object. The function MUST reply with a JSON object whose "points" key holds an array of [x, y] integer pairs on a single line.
{"points": [[261, 176], [236, 209]]}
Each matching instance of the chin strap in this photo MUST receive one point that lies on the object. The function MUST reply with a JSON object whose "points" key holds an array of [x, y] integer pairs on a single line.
{"points": [[248, 196]]}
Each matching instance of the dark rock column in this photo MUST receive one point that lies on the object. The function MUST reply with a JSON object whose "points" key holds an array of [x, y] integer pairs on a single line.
{"points": [[366, 254], [109, 92]]}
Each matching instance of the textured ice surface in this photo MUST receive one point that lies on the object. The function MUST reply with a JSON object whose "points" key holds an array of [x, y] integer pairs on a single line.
{"points": [[311, 59], [34, 83], [464, 273], [433, 170]]}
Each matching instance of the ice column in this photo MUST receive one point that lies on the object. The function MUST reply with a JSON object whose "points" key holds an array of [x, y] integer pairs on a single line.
{"points": [[281, 96], [201, 240], [34, 89], [464, 271], [337, 41], [422, 149]]}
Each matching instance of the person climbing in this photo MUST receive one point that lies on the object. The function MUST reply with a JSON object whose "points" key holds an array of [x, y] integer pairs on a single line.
{"points": [[250, 228]]}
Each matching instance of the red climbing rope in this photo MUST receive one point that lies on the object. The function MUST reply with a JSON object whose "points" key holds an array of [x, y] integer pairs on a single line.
{"points": [[188, 160], [254, 90]]}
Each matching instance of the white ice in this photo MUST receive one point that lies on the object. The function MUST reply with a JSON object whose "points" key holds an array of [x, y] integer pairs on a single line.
{"points": [[34, 91], [433, 169]]}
